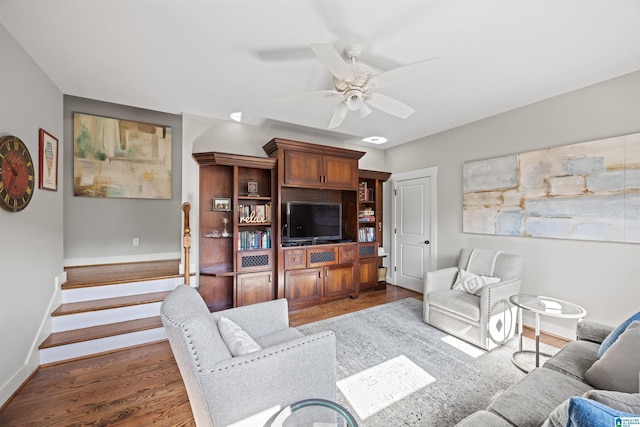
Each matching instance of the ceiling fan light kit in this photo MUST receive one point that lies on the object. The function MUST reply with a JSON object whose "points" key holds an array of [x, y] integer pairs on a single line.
{"points": [[355, 82]]}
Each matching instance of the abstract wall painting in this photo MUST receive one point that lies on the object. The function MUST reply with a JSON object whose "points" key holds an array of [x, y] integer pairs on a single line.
{"points": [[585, 191], [120, 158]]}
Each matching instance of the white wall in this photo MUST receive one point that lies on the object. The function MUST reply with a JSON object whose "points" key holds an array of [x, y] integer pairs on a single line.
{"points": [[204, 134], [31, 240], [101, 230], [602, 277]]}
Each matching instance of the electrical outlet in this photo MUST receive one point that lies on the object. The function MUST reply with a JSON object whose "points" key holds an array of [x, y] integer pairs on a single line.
{"points": [[136, 241]]}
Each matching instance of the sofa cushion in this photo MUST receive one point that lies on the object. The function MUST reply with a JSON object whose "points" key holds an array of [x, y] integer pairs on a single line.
{"points": [[618, 368], [472, 283], [587, 413], [574, 359], [613, 336], [461, 303], [530, 401], [278, 337], [483, 419], [625, 402], [237, 340]]}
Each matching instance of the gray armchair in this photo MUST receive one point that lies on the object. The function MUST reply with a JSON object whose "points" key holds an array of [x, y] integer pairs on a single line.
{"points": [[224, 389], [487, 319]]}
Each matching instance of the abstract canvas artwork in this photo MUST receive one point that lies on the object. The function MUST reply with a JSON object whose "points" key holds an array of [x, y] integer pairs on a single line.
{"points": [[585, 191], [120, 158]]}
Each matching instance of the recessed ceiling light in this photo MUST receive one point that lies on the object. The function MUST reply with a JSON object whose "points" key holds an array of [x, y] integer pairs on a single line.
{"points": [[236, 117], [375, 139]]}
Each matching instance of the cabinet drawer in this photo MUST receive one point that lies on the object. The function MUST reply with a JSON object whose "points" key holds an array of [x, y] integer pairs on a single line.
{"points": [[347, 254], [254, 260], [294, 259], [322, 256]]}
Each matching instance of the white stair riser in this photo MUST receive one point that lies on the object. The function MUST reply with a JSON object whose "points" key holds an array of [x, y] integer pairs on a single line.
{"points": [[103, 317], [70, 351], [122, 289]]}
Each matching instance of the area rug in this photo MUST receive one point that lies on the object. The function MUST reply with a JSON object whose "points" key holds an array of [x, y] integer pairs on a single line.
{"points": [[395, 370]]}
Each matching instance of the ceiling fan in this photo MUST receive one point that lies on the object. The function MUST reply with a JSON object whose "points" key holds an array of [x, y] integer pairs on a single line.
{"points": [[355, 82]]}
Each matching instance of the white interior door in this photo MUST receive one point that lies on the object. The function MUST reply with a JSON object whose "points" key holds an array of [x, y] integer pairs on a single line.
{"points": [[413, 228]]}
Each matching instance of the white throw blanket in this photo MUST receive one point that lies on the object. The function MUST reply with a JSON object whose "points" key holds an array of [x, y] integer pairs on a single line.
{"points": [[482, 261]]}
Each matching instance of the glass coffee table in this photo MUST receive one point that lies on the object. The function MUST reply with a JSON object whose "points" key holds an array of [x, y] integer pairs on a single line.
{"points": [[545, 306]]}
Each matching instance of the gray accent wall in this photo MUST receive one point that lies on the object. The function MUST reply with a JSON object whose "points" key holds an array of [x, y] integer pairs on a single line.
{"points": [[31, 240], [102, 229], [602, 277]]}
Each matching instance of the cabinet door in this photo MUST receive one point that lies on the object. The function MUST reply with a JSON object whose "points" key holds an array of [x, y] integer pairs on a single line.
{"points": [[340, 172], [339, 280], [252, 288], [368, 273], [303, 287], [302, 168]]}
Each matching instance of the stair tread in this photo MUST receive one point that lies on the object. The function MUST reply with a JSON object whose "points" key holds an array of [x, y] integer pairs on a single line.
{"points": [[109, 274], [108, 303], [102, 331]]}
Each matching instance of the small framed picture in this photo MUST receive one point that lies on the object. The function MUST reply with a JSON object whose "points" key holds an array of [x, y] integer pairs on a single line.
{"points": [[252, 188], [48, 157], [221, 204]]}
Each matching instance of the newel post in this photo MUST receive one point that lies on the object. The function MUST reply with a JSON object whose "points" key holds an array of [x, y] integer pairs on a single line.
{"points": [[186, 241]]}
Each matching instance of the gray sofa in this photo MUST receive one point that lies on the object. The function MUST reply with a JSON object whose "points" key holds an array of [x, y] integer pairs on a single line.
{"points": [[285, 366], [541, 397]]}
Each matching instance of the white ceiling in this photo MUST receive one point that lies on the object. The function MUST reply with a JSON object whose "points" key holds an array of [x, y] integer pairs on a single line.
{"points": [[211, 58]]}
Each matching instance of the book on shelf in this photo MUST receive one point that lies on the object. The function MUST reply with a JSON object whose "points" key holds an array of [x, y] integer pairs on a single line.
{"points": [[366, 234], [248, 240], [365, 193]]}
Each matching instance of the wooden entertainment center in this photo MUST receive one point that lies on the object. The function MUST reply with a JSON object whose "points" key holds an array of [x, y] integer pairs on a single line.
{"points": [[249, 260]]}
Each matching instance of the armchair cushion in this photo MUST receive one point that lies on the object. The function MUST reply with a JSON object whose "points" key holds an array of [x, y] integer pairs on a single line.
{"points": [[237, 340], [459, 302], [472, 283]]}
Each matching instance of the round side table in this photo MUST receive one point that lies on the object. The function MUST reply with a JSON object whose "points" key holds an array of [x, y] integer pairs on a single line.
{"points": [[545, 306]]}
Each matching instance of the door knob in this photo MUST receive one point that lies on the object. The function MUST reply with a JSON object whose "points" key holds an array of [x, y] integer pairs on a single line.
{"points": [[426, 242]]}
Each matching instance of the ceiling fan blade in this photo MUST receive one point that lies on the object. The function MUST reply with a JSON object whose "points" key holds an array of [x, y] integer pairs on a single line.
{"points": [[365, 110], [408, 73], [338, 116], [306, 95], [332, 60], [390, 105]]}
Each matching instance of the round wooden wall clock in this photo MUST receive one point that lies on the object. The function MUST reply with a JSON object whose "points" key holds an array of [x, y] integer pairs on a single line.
{"points": [[17, 172]]}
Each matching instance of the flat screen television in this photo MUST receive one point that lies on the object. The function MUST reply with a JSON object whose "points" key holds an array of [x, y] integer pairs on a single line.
{"points": [[313, 221]]}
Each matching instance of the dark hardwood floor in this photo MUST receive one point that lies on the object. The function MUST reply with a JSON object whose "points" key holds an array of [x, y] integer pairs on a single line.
{"points": [[139, 386]]}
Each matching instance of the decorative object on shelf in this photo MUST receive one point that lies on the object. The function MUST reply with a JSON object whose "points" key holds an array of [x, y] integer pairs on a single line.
{"points": [[225, 233], [221, 204], [254, 214], [48, 159], [18, 174], [120, 158], [252, 188]]}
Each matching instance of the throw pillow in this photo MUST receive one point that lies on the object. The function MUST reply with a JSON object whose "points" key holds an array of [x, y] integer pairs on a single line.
{"points": [[472, 283], [588, 413], [613, 336], [626, 402], [237, 340], [618, 368]]}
